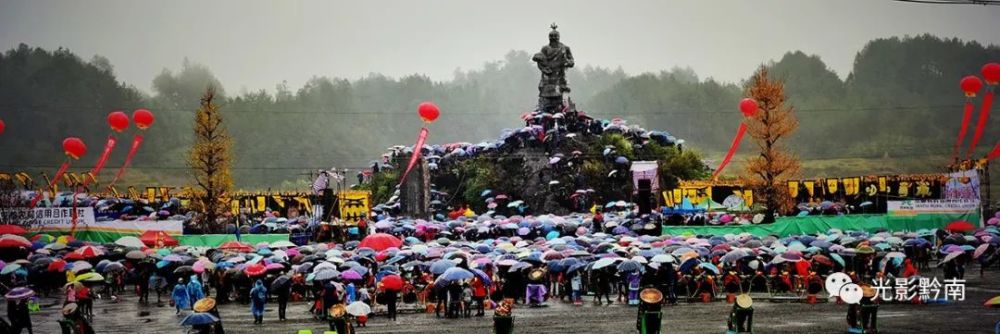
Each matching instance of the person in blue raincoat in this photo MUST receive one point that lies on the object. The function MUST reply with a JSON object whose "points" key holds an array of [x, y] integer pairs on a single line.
{"points": [[195, 292], [258, 297], [182, 300], [350, 293]]}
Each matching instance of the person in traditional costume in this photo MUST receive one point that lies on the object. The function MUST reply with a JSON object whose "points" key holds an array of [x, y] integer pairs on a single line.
{"points": [[741, 316]]}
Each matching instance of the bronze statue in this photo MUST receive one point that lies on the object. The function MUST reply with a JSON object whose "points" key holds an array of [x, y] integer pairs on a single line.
{"points": [[553, 61]]}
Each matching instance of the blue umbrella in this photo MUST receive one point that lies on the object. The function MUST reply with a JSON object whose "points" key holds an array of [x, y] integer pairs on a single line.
{"points": [[688, 265], [709, 267], [199, 318], [629, 266], [482, 277], [440, 266], [621, 160], [454, 274]]}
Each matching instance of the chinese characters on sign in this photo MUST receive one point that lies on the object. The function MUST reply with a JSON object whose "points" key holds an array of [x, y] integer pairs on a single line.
{"points": [[906, 289]]}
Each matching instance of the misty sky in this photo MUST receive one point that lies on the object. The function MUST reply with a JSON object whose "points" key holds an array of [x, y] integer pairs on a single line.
{"points": [[257, 44]]}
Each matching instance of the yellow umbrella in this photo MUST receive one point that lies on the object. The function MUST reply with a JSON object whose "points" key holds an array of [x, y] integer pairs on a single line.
{"points": [[993, 302], [89, 277]]}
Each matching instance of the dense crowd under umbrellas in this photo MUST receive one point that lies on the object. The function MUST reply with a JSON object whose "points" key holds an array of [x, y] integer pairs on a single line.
{"points": [[462, 267]]}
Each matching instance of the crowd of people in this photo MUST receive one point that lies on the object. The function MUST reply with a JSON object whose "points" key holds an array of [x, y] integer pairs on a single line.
{"points": [[462, 267]]}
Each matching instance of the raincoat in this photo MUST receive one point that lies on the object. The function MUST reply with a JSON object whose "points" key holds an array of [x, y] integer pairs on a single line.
{"points": [[195, 292], [180, 297], [258, 296]]}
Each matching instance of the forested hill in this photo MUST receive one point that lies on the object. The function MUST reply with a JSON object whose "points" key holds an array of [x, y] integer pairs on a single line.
{"points": [[897, 111]]}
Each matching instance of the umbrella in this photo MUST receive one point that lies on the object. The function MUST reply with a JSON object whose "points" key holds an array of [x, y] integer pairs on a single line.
{"points": [[256, 269], [10, 268], [381, 241], [89, 277], [960, 226], [980, 251], [12, 229], [482, 277], [663, 258], [282, 244], [628, 266], [113, 266], [895, 255], [734, 255], [14, 241], [392, 282], [993, 302], [358, 309], [709, 267], [19, 293], [129, 241], [236, 246], [350, 275], [440, 266], [199, 318], [183, 270], [79, 266], [949, 257], [604, 262], [454, 274], [281, 282], [326, 274]]}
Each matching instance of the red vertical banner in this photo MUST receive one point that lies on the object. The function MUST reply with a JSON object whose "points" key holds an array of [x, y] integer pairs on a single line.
{"points": [[966, 117], [421, 138], [732, 149], [136, 141], [108, 147], [984, 115]]}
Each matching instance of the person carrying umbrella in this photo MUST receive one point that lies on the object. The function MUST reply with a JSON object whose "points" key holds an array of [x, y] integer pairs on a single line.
{"points": [[282, 288], [208, 305], [17, 312], [74, 322], [194, 289], [258, 297], [180, 296], [479, 295], [391, 299], [158, 283]]}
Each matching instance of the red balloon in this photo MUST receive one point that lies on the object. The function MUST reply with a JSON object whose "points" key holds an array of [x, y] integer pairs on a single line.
{"points": [[143, 118], [118, 121], [74, 147], [991, 73], [971, 85], [748, 107], [2, 126], [428, 111]]}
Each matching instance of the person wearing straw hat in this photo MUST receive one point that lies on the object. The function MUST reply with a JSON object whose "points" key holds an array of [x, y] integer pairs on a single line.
{"points": [[74, 321], [339, 321], [741, 317], [649, 316], [207, 305]]}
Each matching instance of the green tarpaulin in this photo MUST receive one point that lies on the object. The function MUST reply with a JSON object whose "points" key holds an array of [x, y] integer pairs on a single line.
{"points": [[786, 226], [214, 240], [208, 240]]}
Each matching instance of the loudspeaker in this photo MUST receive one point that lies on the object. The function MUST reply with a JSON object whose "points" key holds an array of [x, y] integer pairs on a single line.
{"points": [[644, 196]]}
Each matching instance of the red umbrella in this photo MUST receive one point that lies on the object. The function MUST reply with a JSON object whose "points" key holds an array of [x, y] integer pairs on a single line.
{"points": [[255, 269], [14, 241], [236, 246], [381, 241], [57, 265], [88, 252], [392, 282], [73, 256], [12, 229], [960, 226], [153, 238]]}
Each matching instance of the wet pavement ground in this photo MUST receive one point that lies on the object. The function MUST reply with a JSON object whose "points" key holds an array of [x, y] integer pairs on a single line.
{"points": [[968, 316]]}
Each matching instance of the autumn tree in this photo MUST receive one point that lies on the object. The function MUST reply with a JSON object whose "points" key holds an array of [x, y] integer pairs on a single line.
{"points": [[210, 160], [768, 172]]}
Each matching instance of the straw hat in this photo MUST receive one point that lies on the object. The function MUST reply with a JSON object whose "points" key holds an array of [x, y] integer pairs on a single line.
{"points": [[867, 291], [204, 304], [69, 309], [651, 296], [744, 301], [338, 310]]}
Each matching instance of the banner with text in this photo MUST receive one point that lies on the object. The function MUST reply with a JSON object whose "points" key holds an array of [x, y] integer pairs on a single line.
{"points": [[56, 216]]}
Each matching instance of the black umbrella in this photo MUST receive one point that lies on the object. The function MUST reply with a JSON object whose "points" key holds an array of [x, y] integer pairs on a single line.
{"points": [[281, 282]]}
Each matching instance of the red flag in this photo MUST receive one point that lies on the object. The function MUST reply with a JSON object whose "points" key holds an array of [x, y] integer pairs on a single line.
{"points": [[732, 149], [416, 152], [984, 114], [52, 184], [108, 147], [966, 117], [994, 153], [131, 152]]}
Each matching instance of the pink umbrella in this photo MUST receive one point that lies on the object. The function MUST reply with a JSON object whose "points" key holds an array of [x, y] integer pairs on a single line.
{"points": [[980, 250], [198, 267], [350, 275]]}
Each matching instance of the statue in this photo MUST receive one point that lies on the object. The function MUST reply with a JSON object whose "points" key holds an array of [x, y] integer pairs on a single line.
{"points": [[553, 61]]}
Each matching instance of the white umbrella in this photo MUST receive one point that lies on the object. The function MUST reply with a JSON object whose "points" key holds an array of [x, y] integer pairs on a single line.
{"points": [[130, 241], [663, 258], [640, 259], [282, 244], [358, 309], [951, 256], [605, 262], [79, 266]]}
